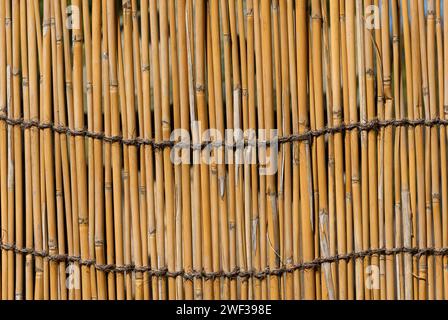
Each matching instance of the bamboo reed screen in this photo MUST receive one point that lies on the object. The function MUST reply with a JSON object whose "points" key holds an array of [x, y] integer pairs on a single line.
{"points": [[339, 110]]}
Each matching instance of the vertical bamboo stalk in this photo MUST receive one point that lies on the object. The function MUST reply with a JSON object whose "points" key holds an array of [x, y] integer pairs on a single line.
{"points": [[148, 149], [127, 192], [331, 151], [363, 119], [420, 174], [436, 224], [222, 202], [29, 283], [133, 181], [372, 149], [176, 125], [427, 153], [98, 147], [285, 122], [108, 188], [59, 196], [17, 138], [316, 15], [200, 22], [278, 119], [337, 118], [88, 53], [388, 151], [444, 113], [409, 194], [245, 154], [295, 152], [376, 38], [3, 150], [166, 131], [238, 154], [354, 147], [116, 157], [213, 165], [261, 151], [61, 121], [227, 178], [397, 76], [80, 157], [35, 159], [139, 123], [347, 150], [48, 149], [75, 270], [158, 137], [10, 236]]}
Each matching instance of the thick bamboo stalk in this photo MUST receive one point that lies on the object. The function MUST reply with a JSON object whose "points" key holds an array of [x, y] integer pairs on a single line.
{"points": [[200, 82], [295, 153], [29, 283], [347, 150], [176, 125], [98, 147], [108, 221], [48, 150], [116, 157], [354, 147], [339, 165], [363, 119], [261, 151], [222, 201], [322, 182], [147, 133], [17, 138], [58, 162], [125, 175], [213, 165], [435, 226], [3, 149], [68, 70], [444, 114], [158, 137], [271, 195], [409, 195], [132, 134], [427, 153], [80, 157], [90, 143], [10, 236], [419, 144]]}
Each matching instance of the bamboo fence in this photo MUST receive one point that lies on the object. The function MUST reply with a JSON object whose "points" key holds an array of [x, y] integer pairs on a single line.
{"points": [[117, 180]]}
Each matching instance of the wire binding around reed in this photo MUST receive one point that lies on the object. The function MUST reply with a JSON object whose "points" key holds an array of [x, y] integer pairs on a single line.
{"points": [[234, 274], [160, 145]]}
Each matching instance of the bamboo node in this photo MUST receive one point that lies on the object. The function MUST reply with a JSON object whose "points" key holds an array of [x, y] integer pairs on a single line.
{"points": [[16, 72], [370, 73], [200, 88], [77, 38], [226, 37], [83, 221]]}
